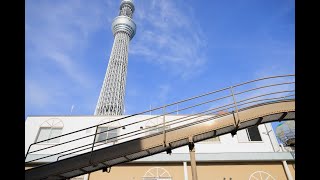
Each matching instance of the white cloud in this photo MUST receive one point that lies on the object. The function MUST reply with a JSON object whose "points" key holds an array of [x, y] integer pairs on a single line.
{"points": [[37, 95], [57, 35], [169, 37], [59, 30], [164, 90], [70, 68]]}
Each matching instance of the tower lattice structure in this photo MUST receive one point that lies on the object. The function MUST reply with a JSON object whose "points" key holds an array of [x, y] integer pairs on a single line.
{"points": [[111, 98]]}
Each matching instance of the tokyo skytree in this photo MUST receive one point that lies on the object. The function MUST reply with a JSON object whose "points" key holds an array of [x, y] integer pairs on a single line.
{"points": [[111, 98]]}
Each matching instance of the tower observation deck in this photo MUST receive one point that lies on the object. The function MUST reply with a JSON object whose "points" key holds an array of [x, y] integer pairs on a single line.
{"points": [[111, 98]]}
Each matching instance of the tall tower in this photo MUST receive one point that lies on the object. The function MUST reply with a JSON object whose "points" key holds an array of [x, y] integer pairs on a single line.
{"points": [[111, 98]]}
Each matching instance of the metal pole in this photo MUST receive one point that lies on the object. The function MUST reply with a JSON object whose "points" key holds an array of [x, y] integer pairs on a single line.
{"points": [[235, 106], [28, 151], [150, 109], [86, 177], [94, 139], [285, 165], [286, 170], [193, 160], [164, 126], [71, 109], [185, 170], [268, 133]]}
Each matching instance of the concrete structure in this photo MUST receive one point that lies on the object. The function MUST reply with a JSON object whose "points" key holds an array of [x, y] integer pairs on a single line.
{"points": [[111, 98], [243, 156]]}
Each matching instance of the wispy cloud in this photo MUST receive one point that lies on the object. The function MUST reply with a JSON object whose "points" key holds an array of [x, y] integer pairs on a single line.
{"points": [[57, 35], [170, 37], [69, 67], [163, 92], [63, 39], [62, 34], [37, 95]]}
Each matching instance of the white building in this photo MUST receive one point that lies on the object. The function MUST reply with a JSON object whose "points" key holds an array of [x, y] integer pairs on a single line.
{"points": [[251, 153]]}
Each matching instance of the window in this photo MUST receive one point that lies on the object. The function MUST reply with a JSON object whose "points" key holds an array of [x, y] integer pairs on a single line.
{"points": [[47, 133], [253, 134], [49, 129], [260, 174], [109, 136], [157, 173]]}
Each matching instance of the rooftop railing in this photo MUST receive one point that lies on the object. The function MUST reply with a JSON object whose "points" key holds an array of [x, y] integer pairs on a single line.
{"points": [[194, 110]]}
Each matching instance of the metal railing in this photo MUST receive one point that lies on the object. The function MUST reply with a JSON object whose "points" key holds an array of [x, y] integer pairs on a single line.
{"points": [[207, 106]]}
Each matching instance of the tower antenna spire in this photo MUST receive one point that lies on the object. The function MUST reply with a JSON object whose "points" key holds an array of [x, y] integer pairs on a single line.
{"points": [[111, 98]]}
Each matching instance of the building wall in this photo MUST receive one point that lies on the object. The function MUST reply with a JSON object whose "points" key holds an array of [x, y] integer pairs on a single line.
{"points": [[72, 123], [205, 171], [210, 169]]}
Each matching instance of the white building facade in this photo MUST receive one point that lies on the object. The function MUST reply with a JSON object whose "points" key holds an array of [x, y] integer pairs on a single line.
{"points": [[250, 151]]}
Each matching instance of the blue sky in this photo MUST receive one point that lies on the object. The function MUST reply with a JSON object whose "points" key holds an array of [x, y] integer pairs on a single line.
{"points": [[181, 48]]}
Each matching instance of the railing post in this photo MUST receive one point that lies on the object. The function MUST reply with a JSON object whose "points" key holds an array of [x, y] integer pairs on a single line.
{"points": [[59, 157], [164, 126], [237, 122], [94, 139], [28, 151]]}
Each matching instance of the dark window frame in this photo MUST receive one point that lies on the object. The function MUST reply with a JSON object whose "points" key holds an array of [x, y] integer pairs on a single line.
{"points": [[254, 134]]}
